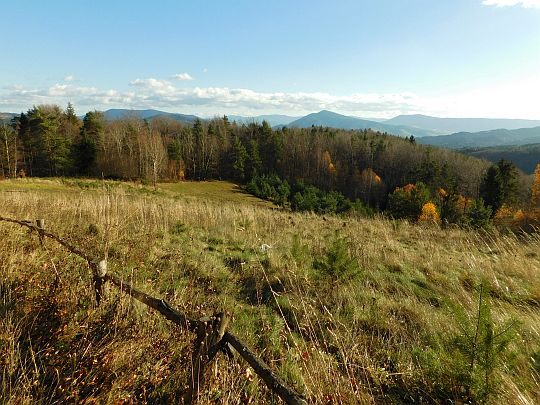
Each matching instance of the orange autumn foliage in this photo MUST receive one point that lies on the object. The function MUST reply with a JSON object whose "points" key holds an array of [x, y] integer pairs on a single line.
{"points": [[442, 192], [462, 203], [407, 188], [504, 212], [369, 176], [519, 216]]}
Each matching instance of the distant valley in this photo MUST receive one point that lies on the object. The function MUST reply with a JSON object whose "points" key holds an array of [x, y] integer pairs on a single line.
{"points": [[525, 157]]}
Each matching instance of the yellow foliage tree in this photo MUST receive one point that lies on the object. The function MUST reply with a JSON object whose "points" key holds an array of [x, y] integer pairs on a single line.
{"points": [[368, 176], [327, 159], [429, 213], [462, 203]]}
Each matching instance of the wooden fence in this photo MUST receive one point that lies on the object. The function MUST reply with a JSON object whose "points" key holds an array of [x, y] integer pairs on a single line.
{"points": [[212, 332]]}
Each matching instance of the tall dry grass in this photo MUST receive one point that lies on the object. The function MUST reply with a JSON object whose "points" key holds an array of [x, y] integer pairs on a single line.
{"points": [[380, 331]]}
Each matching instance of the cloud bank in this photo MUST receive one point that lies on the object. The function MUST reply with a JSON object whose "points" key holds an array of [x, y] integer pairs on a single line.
{"points": [[516, 99], [163, 94]]}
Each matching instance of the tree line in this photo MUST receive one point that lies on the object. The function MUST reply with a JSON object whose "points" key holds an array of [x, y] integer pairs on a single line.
{"points": [[361, 166]]}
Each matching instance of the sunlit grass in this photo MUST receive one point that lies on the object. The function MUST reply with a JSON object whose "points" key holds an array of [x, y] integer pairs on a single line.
{"points": [[344, 309]]}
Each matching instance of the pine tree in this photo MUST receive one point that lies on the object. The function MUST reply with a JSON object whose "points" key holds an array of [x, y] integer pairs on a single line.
{"points": [[45, 142], [239, 157], [500, 185], [255, 161], [85, 150]]}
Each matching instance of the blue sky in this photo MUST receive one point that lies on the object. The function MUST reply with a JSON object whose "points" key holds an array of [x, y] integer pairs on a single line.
{"points": [[375, 58]]}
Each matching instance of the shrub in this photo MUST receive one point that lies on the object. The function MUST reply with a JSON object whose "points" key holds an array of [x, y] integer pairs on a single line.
{"points": [[337, 262], [407, 202], [452, 207], [270, 188], [478, 216]]}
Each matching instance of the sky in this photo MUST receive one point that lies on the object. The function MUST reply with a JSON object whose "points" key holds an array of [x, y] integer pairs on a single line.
{"points": [[366, 58]]}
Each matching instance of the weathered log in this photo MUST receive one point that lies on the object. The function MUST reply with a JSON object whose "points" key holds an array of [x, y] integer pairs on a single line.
{"points": [[73, 249], [159, 305], [271, 380], [211, 333]]}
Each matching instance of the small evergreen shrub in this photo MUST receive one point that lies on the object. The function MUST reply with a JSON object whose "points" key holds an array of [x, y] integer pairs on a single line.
{"points": [[337, 263], [478, 216]]}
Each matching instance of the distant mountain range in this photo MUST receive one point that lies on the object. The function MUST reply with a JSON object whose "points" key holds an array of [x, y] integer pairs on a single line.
{"points": [[402, 125], [331, 119], [496, 137], [274, 120], [448, 126], [119, 113]]}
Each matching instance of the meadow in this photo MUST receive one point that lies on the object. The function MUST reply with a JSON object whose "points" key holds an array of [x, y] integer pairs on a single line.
{"points": [[346, 309]]}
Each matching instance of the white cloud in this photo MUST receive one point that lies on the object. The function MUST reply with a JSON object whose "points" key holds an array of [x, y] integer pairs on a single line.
{"points": [[514, 99], [156, 93], [182, 76], [507, 3], [69, 78]]}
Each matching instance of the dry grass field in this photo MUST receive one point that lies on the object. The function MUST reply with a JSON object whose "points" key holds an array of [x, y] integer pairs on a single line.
{"points": [[345, 310]]}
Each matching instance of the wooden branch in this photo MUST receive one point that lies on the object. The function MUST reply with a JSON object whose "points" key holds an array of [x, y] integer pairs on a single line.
{"points": [[212, 332], [39, 228], [159, 305], [271, 380], [42, 232]]}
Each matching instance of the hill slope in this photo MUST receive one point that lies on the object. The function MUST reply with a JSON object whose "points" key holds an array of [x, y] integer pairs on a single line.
{"points": [[355, 309], [6, 117]]}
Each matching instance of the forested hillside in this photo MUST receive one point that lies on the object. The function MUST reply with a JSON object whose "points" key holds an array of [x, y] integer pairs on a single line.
{"points": [[292, 166], [47, 141], [526, 157]]}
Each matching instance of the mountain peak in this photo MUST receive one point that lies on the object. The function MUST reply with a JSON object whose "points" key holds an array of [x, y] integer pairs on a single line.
{"points": [[332, 119]]}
